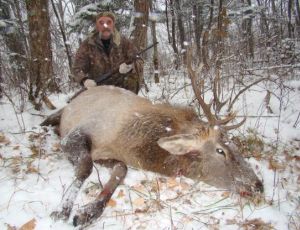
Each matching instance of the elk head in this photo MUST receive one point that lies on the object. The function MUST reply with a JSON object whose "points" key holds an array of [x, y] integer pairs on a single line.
{"points": [[216, 160]]}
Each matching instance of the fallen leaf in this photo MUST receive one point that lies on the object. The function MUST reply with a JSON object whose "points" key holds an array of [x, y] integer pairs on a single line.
{"points": [[15, 165], [141, 210], [30, 225], [187, 202], [56, 147], [31, 169], [33, 136], [35, 151], [121, 194], [187, 219], [139, 188], [275, 165], [185, 186], [162, 180], [155, 186], [226, 194], [139, 201], [231, 221], [3, 139], [111, 203], [256, 223], [297, 158], [171, 182]]}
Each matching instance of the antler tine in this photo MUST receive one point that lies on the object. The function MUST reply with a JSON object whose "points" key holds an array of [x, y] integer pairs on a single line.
{"points": [[218, 104], [230, 127], [206, 108], [227, 119], [212, 119]]}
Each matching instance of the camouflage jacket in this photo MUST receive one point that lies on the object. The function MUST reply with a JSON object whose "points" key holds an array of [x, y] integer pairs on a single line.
{"points": [[92, 61]]}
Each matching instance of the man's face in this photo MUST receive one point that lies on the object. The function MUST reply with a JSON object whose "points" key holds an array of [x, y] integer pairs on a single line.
{"points": [[105, 25]]}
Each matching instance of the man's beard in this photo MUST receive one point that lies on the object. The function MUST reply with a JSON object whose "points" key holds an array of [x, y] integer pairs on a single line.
{"points": [[111, 33]]}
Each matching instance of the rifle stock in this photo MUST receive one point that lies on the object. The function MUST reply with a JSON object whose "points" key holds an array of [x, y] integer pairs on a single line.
{"points": [[103, 77]]}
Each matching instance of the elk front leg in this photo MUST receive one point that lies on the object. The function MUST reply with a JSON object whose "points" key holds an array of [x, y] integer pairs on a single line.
{"points": [[94, 209], [77, 146]]}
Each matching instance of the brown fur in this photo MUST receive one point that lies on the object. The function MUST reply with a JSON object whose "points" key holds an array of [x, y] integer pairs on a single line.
{"points": [[112, 124], [141, 142], [126, 128]]}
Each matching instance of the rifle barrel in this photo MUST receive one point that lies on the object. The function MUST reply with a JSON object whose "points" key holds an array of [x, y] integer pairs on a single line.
{"points": [[147, 48], [105, 76]]}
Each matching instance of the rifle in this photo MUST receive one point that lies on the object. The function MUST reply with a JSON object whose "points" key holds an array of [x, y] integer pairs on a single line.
{"points": [[104, 77]]}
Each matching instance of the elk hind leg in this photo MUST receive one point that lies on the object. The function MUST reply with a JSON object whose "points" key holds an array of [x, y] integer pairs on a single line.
{"points": [[94, 209], [77, 146]]}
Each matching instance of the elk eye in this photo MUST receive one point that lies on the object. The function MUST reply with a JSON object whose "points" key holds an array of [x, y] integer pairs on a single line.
{"points": [[220, 151]]}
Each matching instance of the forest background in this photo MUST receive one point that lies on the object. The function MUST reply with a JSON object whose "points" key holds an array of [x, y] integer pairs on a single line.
{"points": [[239, 55]]}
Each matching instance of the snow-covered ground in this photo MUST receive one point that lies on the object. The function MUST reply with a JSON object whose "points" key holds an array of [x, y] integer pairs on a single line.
{"points": [[34, 173]]}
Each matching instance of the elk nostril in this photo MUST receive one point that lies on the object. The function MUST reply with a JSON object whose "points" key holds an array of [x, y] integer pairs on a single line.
{"points": [[259, 186]]}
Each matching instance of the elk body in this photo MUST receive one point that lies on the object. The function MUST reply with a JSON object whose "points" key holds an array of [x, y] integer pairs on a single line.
{"points": [[110, 124]]}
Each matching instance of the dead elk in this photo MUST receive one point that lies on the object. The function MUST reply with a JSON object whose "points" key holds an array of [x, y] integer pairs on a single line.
{"points": [[111, 124]]}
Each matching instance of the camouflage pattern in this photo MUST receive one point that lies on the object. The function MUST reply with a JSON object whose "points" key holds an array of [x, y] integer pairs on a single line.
{"points": [[91, 61]]}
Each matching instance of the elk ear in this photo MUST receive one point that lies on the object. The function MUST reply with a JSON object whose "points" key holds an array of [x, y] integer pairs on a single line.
{"points": [[179, 144]]}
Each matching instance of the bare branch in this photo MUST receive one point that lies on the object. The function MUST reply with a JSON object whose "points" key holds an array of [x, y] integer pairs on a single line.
{"points": [[242, 91], [212, 119]]}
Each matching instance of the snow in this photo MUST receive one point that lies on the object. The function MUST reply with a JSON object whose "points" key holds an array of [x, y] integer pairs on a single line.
{"points": [[168, 129], [185, 43], [2, 24], [153, 16], [138, 14], [35, 174]]}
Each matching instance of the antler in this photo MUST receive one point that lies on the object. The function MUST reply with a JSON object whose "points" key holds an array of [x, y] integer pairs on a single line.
{"points": [[212, 120]]}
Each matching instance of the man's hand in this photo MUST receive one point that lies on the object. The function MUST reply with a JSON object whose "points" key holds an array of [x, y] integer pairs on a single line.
{"points": [[88, 83], [124, 68]]}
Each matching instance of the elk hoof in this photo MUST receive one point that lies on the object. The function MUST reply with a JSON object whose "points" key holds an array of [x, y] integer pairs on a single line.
{"points": [[81, 219], [60, 215], [88, 213]]}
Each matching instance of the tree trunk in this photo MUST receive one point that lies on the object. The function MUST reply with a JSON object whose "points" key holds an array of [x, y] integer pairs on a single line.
{"points": [[211, 14], [167, 21], [264, 26], [276, 25], [173, 27], [297, 11], [155, 51], [140, 23], [13, 41], [139, 34], [205, 37], [290, 25], [40, 50], [198, 26], [247, 34], [180, 23], [18, 14], [1, 78], [62, 30]]}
